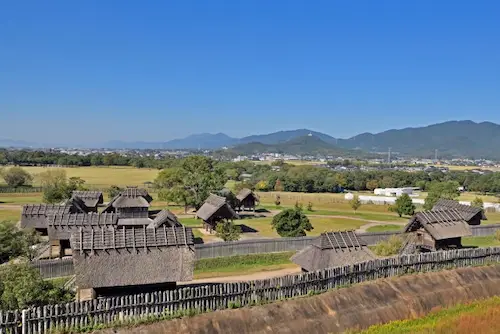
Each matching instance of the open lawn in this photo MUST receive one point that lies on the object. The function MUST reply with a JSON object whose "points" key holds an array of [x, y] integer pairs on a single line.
{"points": [[103, 176], [320, 224], [236, 265], [20, 198], [480, 317], [384, 228], [487, 241], [8, 214]]}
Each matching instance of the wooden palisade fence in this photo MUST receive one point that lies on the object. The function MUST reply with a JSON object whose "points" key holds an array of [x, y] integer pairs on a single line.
{"points": [[197, 299]]}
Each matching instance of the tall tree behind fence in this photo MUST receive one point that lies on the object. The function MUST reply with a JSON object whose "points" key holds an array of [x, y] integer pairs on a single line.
{"points": [[197, 299]]}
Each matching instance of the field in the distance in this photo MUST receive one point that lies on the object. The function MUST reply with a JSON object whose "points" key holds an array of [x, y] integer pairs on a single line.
{"points": [[103, 176]]}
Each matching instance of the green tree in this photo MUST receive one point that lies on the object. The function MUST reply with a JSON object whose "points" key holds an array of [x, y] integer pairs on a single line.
{"points": [[192, 182], [228, 231], [441, 190], [403, 206], [114, 191], [278, 186], [56, 186], [291, 223], [15, 242], [477, 202], [16, 177], [372, 185], [355, 203], [22, 286]]}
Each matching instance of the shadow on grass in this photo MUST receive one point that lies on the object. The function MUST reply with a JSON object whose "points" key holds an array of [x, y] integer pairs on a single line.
{"points": [[247, 229], [198, 240], [250, 216]]}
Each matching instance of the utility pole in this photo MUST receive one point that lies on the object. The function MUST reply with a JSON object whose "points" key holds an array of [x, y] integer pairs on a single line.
{"points": [[436, 155], [389, 156]]}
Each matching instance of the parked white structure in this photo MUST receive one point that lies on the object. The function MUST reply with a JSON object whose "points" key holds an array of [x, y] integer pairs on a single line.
{"points": [[394, 192], [348, 196]]}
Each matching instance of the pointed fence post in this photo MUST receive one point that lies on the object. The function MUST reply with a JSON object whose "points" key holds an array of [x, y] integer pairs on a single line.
{"points": [[24, 321]]}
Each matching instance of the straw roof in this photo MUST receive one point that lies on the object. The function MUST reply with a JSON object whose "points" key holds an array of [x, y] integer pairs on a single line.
{"points": [[60, 226], [132, 256], [333, 249], [440, 224], [215, 208], [131, 238], [35, 215], [244, 193], [468, 212], [78, 204], [134, 221], [130, 198], [91, 198], [165, 218]]}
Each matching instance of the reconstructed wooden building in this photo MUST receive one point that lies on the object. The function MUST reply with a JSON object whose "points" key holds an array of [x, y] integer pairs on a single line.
{"points": [[471, 214], [247, 199], [60, 227], [333, 249], [130, 203], [435, 230], [92, 199], [214, 210], [35, 215], [131, 260]]}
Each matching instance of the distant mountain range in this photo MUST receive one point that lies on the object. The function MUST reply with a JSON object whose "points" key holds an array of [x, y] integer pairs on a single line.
{"points": [[466, 139]]}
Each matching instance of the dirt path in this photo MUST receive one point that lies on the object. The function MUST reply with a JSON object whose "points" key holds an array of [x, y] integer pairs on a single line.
{"points": [[249, 277], [10, 206], [364, 228]]}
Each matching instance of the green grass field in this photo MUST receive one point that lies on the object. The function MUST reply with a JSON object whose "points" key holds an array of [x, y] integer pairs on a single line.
{"points": [[320, 224], [236, 265], [103, 176], [487, 241], [384, 228], [480, 317], [10, 215]]}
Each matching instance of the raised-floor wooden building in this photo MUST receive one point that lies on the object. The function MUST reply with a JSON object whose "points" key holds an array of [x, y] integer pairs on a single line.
{"points": [[214, 210], [92, 199], [435, 230], [333, 249], [471, 214], [130, 203], [35, 215], [61, 226], [247, 199], [119, 261]]}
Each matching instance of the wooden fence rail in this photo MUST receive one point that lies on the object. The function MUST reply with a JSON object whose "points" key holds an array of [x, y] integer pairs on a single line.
{"points": [[198, 299], [64, 267]]}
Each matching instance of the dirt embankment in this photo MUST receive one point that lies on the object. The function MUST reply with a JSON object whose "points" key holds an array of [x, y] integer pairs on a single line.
{"points": [[359, 306]]}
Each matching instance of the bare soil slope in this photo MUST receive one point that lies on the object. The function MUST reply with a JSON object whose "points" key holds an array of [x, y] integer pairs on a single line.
{"points": [[359, 306]]}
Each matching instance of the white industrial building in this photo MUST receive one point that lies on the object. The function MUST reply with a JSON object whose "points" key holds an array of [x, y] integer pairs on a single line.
{"points": [[394, 192]]}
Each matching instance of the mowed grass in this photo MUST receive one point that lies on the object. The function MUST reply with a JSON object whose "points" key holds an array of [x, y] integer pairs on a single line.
{"points": [[486, 241], [320, 224], [242, 264], [10, 215], [480, 317], [384, 228], [20, 198], [103, 176]]}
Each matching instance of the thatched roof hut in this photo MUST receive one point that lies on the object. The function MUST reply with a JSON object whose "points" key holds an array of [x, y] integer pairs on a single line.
{"points": [[132, 257], [165, 218], [92, 199], [473, 215], [35, 215], [215, 209], [60, 226], [333, 249], [78, 204], [436, 229], [247, 199], [130, 203]]}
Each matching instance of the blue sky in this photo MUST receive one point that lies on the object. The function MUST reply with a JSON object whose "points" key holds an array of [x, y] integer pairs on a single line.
{"points": [[91, 71]]}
